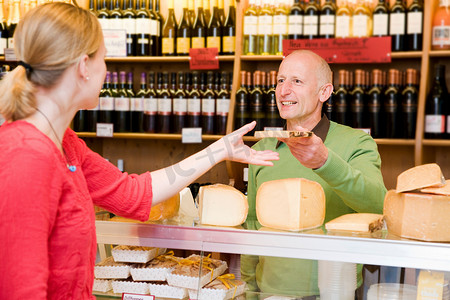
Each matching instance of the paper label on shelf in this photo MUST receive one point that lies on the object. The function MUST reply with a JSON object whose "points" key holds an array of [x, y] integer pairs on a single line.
{"points": [[380, 24], [204, 58], [115, 42], [143, 25], [191, 135], [360, 25], [397, 23], [434, 124], [128, 296], [229, 44], [295, 25], [441, 36], [342, 26], [105, 129], [10, 55], [430, 285], [415, 22], [106, 103]]}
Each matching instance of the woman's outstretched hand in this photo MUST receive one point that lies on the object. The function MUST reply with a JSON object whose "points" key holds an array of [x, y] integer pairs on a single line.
{"points": [[237, 151]]}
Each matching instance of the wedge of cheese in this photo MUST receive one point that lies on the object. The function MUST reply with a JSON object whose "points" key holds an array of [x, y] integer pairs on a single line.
{"points": [[423, 176], [418, 216], [165, 210], [290, 204], [357, 222], [187, 204], [444, 190], [222, 205]]}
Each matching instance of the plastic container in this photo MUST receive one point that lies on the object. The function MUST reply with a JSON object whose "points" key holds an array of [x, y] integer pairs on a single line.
{"points": [[392, 291], [337, 280]]}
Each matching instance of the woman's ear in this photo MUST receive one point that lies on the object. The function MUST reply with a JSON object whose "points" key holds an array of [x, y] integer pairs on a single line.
{"points": [[83, 70], [325, 92]]}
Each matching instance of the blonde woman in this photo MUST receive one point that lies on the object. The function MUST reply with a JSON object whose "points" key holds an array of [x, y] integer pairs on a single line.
{"points": [[50, 179]]}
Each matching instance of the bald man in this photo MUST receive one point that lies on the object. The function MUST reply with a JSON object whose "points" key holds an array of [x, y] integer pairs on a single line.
{"points": [[343, 160]]}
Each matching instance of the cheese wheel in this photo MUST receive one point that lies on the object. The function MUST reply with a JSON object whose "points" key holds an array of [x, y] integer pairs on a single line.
{"points": [[429, 175], [222, 205], [166, 209], [418, 216], [357, 222], [290, 204]]}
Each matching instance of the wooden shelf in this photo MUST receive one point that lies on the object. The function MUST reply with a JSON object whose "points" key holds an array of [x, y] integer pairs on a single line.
{"points": [[394, 55], [149, 136], [444, 143], [439, 53], [393, 142], [406, 54], [159, 59]]}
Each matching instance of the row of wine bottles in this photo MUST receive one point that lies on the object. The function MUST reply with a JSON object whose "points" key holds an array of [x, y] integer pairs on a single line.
{"points": [[266, 25], [148, 34], [189, 100]]}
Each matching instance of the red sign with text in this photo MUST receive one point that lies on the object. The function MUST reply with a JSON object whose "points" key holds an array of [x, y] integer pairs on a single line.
{"points": [[343, 51], [204, 59]]}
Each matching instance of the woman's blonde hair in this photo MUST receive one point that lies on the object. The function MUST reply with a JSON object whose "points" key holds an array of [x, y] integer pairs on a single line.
{"points": [[48, 40]]}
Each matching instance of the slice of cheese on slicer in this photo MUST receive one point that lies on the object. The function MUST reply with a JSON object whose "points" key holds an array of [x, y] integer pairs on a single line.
{"points": [[423, 176], [357, 222]]}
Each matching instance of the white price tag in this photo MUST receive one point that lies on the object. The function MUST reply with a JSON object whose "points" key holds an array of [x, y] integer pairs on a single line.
{"points": [[115, 42], [105, 129], [10, 55], [127, 296], [191, 135]]}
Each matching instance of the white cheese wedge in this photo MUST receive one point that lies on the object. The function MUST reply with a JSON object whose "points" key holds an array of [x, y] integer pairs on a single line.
{"points": [[222, 205], [290, 204], [187, 204], [423, 176], [418, 216], [357, 222], [444, 190]]}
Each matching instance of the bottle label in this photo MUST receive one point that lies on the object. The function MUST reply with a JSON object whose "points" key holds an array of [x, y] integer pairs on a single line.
{"points": [[3, 45], [95, 108], [222, 107], [143, 25], [168, 45], [409, 108], [441, 35], [448, 124], [179, 106], [115, 24], [154, 28], [311, 25], [10, 42], [164, 106], [104, 23], [434, 123], [415, 22], [137, 104], [280, 24], [183, 45], [150, 106], [129, 25], [360, 25], [194, 107], [265, 25], [106, 103], [342, 26], [380, 24], [295, 25], [397, 23], [250, 25], [213, 42], [208, 107], [229, 44], [143, 41], [327, 25], [198, 42], [121, 104]]}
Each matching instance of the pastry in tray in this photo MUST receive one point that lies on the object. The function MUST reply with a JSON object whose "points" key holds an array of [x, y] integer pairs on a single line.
{"points": [[222, 288], [110, 269], [156, 269], [135, 254]]}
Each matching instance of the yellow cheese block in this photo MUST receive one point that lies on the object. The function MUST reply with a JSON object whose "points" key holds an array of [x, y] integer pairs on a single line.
{"points": [[423, 176], [418, 216], [357, 222], [222, 205], [443, 190], [290, 204], [165, 210]]}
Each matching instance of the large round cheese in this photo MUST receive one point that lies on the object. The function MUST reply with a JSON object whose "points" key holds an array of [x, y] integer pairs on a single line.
{"points": [[290, 204]]}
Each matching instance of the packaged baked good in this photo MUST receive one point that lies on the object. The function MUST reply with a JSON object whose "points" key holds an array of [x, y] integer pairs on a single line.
{"points": [[222, 288], [130, 286], [156, 269], [110, 269], [102, 285], [135, 254], [186, 273], [163, 290]]}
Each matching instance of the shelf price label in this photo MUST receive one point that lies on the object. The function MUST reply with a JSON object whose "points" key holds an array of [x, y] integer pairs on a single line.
{"points": [[344, 51], [191, 135], [127, 296], [203, 58], [105, 129], [115, 42]]}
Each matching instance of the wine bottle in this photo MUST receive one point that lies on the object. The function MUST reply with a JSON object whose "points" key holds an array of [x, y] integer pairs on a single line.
{"points": [[265, 29], [3, 31], [311, 20], [295, 26], [229, 31], [208, 106], [273, 118], [341, 100], [329, 105], [343, 20], [103, 14], [191, 12], [137, 104], [217, 78], [436, 106], [164, 104], [169, 32], [214, 30], [397, 25], [280, 27], [257, 103], [251, 29], [409, 106], [92, 118], [150, 105], [357, 108], [381, 19], [440, 37], [122, 106], [199, 28], [222, 11], [391, 106], [79, 121], [222, 104], [14, 20], [362, 20], [129, 23], [184, 32], [180, 105], [241, 112], [157, 28], [207, 11], [327, 20], [414, 26], [375, 100], [107, 100], [143, 30], [194, 103], [116, 20]]}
